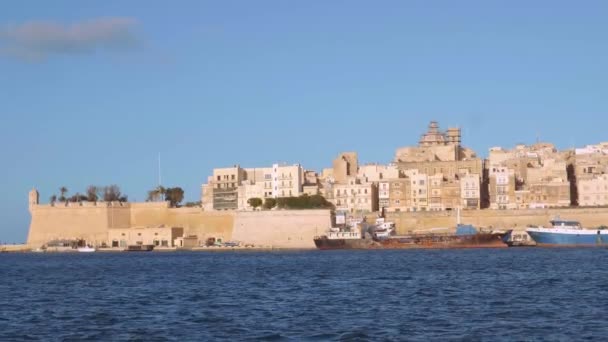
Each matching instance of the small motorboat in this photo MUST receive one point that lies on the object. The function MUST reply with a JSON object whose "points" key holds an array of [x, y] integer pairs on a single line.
{"points": [[86, 249]]}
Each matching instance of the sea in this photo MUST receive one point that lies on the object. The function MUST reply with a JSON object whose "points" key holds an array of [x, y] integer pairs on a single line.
{"points": [[525, 294]]}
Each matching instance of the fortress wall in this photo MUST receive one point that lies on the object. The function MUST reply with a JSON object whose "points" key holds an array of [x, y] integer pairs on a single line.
{"points": [[151, 214], [67, 222], [202, 224], [502, 219], [281, 228]]}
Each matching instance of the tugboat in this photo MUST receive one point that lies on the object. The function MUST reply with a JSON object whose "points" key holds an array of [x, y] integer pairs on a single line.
{"points": [[563, 233]]}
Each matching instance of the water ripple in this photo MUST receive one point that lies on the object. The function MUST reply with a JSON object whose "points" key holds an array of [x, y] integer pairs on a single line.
{"points": [[459, 295]]}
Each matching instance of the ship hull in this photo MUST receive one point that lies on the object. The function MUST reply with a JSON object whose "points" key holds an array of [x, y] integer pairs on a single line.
{"points": [[415, 242], [569, 237]]}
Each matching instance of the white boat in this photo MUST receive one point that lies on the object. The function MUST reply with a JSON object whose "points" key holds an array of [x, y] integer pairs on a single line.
{"points": [[568, 233], [86, 249]]}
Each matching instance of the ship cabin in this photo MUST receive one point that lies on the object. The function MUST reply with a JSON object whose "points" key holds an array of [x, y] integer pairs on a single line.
{"points": [[566, 224], [343, 234]]}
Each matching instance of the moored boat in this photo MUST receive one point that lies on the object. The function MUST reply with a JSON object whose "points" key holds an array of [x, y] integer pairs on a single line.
{"points": [[519, 238], [564, 233], [382, 236], [139, 248], [86, 249]]}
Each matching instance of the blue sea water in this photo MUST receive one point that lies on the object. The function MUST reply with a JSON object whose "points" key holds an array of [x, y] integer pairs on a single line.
{"points": [[415, 295]]}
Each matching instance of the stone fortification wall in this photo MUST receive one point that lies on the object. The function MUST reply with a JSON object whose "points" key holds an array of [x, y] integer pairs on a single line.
{"points": [[281, 228], [502, 219], [73, 221], [202, 224], [91, 221]]}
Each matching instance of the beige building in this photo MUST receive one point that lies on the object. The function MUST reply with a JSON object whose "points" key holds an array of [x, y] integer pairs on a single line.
{"points": [[355, 196], [384, 194], [436, 145], [345, 166], [593, 191], [419, 190], [377, 172], [502, 188], [231, 188], [400, 195], [157, 236], [540, 174]]}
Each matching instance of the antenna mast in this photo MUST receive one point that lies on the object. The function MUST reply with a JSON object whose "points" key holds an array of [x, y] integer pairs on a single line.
{"points": [[159, 174]]}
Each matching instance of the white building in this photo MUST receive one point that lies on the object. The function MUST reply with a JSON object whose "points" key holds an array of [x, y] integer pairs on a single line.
{"points": [[470, 191], [231, 188], [384, 194]]}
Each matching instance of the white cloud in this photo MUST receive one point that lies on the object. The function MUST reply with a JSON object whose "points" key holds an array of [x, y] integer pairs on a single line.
{"points": [[38, 40]]}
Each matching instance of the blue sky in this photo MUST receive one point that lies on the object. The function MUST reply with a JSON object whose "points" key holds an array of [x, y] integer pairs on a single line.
{"points": [[91, 92]]}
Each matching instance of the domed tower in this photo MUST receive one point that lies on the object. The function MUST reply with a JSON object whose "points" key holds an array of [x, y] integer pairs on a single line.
{"points": [[34, 198], [453, 135]]}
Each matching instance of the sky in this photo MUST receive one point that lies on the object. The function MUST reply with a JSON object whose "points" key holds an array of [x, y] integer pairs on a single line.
{"points": [[92, 92]]}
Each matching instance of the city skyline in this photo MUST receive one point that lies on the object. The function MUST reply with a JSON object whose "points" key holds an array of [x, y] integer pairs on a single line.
{"points": [[206, 90]]}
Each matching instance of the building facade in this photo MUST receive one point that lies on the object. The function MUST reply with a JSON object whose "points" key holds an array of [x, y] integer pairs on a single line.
{"points": [[355, 196]]}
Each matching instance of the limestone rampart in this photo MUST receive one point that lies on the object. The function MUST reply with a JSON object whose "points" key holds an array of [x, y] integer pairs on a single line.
{"points": [[281, 228], [500, 219], [67, 222], [276, 228]]}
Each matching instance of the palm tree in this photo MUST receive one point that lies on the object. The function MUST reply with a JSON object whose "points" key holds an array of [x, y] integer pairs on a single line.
{"points": [[157, 194], [53, 199], [63, 190]]}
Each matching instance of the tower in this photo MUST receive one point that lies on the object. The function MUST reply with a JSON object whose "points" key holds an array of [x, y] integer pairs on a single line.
{"points": [[33, 198]]}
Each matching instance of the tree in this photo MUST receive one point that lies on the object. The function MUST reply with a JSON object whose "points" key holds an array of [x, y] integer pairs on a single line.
{"points": [[304, 202], [174, 195], [157, 194], [123, 198], [92, 191], [111, 193], [63, 190], [270, 203], [255, 202], [53, 199], [78, 198]]}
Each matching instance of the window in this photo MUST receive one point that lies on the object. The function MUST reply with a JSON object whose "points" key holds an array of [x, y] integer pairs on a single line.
{"points": [[219, 178], [138, 234], [421, 182], [232, 177], [366, 191]]}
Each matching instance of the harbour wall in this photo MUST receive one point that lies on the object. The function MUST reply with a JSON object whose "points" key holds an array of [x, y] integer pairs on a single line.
{"points": [[281, 228], [92, 221], [407, 222], [276, 228]]}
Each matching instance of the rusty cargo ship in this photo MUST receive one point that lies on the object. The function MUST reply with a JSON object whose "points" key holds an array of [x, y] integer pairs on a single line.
{"points": [[382, 236]]}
